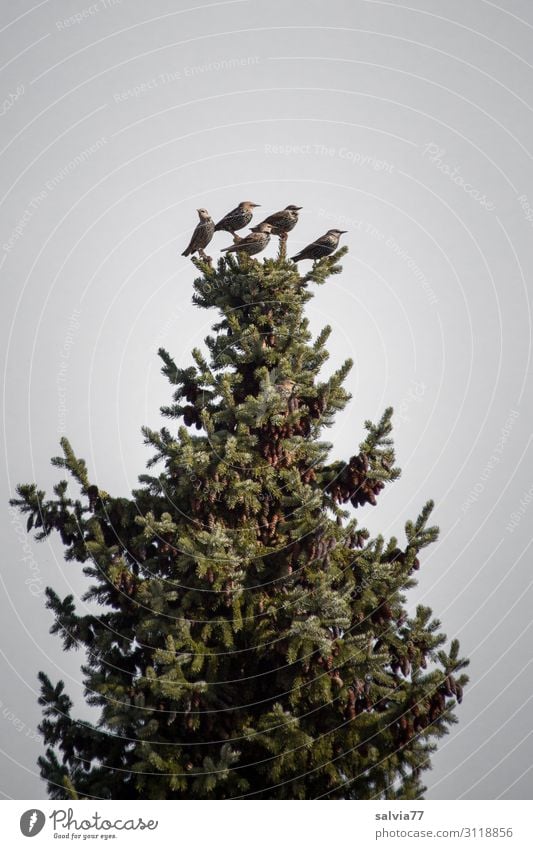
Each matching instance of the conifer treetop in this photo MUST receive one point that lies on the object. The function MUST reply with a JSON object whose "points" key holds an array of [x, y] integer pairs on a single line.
{"points": [[244, 635]]}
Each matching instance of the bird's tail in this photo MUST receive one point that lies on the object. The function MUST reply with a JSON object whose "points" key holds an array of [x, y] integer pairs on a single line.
{"points": [[186, 252]]}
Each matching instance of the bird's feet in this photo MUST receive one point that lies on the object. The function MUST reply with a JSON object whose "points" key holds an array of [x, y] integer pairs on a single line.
{"points": [[206, 258]]}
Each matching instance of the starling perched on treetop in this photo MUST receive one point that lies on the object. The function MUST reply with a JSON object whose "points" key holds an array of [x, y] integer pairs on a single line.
{"points": [[202, 235], [324, 246], [255, 242], [282, 222], [238, 217]]}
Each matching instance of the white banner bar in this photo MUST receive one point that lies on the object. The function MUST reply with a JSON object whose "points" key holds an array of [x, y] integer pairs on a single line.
{"points": [[269, 824]]}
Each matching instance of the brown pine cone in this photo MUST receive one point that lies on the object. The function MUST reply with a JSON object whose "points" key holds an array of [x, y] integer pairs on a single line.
{"points": [[396, 556], [405, 666], [92, 493]]}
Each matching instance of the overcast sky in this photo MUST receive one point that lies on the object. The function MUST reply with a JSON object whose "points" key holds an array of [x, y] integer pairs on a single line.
{"points": [[408, 125]]}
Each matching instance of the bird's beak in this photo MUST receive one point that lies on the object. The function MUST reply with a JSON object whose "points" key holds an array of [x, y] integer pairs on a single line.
{"points": [[256, 204], [298, 208], [343, 231]]}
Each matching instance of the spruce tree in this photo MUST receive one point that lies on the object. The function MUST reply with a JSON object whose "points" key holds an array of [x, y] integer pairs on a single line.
{"points": [[244, 635]]}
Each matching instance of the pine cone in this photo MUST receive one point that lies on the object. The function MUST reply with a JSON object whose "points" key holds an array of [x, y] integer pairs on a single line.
{"points": [[92, 493], [189, 415], [405, 666], [351, 709], [336, 679], [396, 556]]}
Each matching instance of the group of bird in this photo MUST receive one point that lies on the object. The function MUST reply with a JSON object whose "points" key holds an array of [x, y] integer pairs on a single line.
{"points": [[278, 224]]}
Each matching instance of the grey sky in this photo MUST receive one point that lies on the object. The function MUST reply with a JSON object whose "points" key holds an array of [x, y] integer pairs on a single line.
{"points": [[408, 125]]}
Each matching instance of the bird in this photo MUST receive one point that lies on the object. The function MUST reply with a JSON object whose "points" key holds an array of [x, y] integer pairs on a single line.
{"points": [[238, 217], [203, 233], [255, 242], [284, 220], [323, 246]]}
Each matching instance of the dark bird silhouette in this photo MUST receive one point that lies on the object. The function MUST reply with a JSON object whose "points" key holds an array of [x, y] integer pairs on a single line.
{"points": [[202, 235], [238, 217], [255, 242], [283, 221], [324, 246]]}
